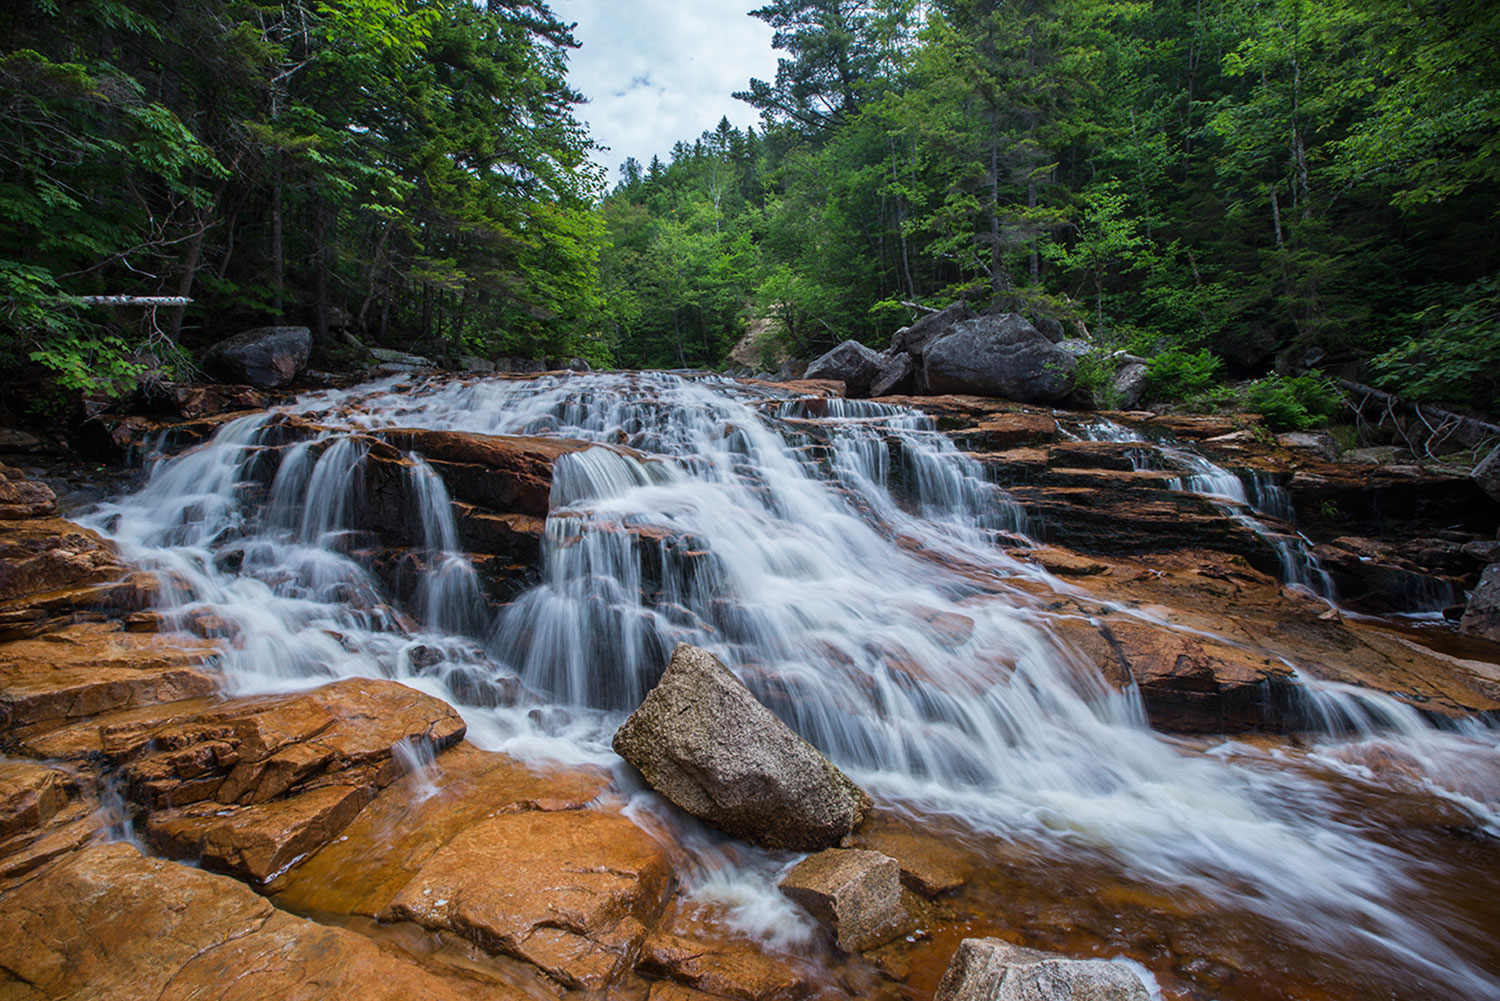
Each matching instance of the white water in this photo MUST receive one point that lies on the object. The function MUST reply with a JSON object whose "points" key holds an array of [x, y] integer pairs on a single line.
{"points": [[841, 557]]}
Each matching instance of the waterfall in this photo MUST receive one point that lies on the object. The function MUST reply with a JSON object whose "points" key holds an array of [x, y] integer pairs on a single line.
{"points": [[843, 558]]}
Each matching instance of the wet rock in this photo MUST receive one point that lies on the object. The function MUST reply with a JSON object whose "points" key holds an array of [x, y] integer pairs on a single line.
{"points": [[914, 340], [998, 356], [191, 402], [1130, 384], [702, 740], [506, 473], [30, 795], [108, 923], [855, 894], [264, 357], [21, 497], [897, 375], [1482, 616], [570, 892], [256, 842], [851, 363], [930, 865], [988, 969], [87, 669], [1191, 684], [39, 555], [1487, 474], [721, 969], [254, 750]]}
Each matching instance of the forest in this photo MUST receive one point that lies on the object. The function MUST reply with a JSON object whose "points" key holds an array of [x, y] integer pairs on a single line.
{"points": [[1230, 188]]}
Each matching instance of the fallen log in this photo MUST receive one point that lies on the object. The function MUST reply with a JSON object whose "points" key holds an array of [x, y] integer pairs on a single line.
{"points": [[1462, 429]]}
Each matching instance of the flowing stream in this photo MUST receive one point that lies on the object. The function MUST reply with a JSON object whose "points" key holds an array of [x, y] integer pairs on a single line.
{"points": [[849, 564]]}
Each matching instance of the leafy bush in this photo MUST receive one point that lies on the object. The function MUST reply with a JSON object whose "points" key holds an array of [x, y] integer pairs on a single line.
{"points": [[1095, 376], [1178, 374], [1458, 362], [1294, 404]]}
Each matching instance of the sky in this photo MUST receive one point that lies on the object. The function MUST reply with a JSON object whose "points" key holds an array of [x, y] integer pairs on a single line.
{"points": [[656, 71]]}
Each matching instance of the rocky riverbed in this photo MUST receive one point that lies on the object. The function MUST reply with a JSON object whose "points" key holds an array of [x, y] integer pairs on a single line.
{"points": [[358, 661]]}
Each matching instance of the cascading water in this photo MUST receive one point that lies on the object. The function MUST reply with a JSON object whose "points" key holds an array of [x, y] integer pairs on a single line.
{"points": [[841, 557], [1228, 492]]}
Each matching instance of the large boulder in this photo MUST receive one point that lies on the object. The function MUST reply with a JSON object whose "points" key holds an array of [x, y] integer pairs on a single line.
{"points": [[896, 376], [1482, 617], [1130, 385], [998, 356], [914, 339], [703, 741], [988, 969], [267, 357], [851, 363]]}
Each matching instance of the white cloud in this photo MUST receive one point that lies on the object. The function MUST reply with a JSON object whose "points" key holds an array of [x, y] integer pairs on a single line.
{"points": [[656, 71]]}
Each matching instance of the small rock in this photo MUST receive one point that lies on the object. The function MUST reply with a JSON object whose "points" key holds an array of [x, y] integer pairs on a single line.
{"points": [[472, 364], [851, 363], [703, 741], [1075, 346], [988, 969], [1482, 617], [1050, 327], [855, 894]]}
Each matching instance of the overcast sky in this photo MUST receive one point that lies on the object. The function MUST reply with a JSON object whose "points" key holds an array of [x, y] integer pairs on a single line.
{"points": [[656, 71]]}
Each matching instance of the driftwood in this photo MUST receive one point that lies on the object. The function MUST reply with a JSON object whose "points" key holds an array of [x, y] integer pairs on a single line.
{"points": [[136, 300], [1436, 426], [919, 307]]}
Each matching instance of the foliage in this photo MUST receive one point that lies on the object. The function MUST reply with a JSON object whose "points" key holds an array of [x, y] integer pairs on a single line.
{"points": [[1457, 360], [413, 166], [1294, 403], [1178, 374]]}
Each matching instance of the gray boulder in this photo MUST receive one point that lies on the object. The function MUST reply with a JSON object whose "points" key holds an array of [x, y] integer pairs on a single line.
{"points": [[856, 894], [1487, 474], [851, 363], [266, 357], [703, 741], [897, 375], [1130, 385], [988, 969], [1482, 617], [1075, 346], [914, 339], [1051, 328], [1484, 551], [998, 356]]}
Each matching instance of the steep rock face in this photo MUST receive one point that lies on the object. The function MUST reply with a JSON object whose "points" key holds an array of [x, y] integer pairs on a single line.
{"points": [[851, 363], [703, 741], [998, 356], [987, 969], [264, 357]]}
